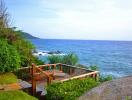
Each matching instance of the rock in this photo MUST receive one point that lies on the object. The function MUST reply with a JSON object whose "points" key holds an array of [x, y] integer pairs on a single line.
{"points": [[119, 89]]}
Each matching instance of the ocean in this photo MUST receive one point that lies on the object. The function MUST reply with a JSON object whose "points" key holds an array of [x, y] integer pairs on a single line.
{"points": [[112, 57]]}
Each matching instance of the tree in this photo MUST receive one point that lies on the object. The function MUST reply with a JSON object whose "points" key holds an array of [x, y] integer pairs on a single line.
{"points": [[14, 38], [4, 15]]}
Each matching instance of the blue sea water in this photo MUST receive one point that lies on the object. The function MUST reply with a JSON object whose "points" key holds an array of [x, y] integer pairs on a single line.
{"points": [[112, 57]]}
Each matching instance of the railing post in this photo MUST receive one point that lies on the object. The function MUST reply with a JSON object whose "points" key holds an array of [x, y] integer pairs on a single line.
{"points": [[33, 71], [70, 71], [48, 80], [60, 67], [48, 66], [54, 66], [96, 75]]}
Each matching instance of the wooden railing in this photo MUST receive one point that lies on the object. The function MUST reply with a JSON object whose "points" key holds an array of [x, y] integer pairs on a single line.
{"points": [[36, 71]]}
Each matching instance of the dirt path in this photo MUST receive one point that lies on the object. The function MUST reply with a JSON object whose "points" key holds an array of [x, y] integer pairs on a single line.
{"points": [[119, 89]]}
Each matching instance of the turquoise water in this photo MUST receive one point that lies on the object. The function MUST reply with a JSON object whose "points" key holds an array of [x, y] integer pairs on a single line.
{"points": [[112, 57]]}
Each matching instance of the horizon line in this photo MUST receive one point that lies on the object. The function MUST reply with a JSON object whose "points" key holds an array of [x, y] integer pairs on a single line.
{"points": [[83, 39]]}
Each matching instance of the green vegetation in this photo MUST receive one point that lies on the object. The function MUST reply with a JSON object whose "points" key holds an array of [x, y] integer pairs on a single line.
{"points": [[70, 59], [28, 36], [7, 78], [54, 59], [15, 50], [15, 95], [23, 74], [102, 78], [94, 68], [9, 57], [70, 90], [105, 78]]}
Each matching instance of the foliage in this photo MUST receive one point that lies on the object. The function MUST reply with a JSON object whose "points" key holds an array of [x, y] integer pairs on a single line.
{"points": [[54, 59], [94, 68], [7, 78], [15, 39], [105, 78], [23, 74], [9, 57], [69, 90], [15, 95], [23, 46], [70, 59], [37, 61], [82, 66]]}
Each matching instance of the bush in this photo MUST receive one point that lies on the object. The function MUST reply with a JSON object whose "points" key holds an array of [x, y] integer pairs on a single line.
{"points": [[105, 78], [69, 90], [37, 61], [24, 49], [9, 57], [15, 39], [70, 59], [54, 59], [94, 68], [82, 66], [23, 74]]}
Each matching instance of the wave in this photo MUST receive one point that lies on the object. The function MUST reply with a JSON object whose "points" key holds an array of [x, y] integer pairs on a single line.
{"points": [[47, 53]]}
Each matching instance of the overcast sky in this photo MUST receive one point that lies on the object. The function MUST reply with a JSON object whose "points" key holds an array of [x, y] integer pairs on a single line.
{"points": [[73, 19]]}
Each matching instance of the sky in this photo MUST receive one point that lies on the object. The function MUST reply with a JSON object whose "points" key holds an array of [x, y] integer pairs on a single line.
{"points": [[73, 19]]}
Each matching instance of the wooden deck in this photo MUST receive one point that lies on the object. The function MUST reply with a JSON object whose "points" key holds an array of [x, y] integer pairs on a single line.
{"points": [[43, 75]]}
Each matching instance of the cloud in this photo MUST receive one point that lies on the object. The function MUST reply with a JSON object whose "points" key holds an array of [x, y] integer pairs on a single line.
{"points": [[85, 19]]}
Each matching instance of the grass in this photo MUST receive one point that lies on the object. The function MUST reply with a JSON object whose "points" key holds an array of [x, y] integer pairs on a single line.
{"points": [[15, 95], [7, 78]]}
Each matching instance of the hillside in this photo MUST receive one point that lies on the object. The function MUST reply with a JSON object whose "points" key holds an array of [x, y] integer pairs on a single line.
{"points": [[28, 36]]}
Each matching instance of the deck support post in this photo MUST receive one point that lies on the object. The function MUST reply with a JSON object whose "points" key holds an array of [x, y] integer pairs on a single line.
{"points": [[33, 80], [96, 75], [48, 80], [60, 67], [70, 71]]}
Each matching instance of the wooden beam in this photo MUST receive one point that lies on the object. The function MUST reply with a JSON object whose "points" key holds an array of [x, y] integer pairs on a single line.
{"points": [[80, 76]]}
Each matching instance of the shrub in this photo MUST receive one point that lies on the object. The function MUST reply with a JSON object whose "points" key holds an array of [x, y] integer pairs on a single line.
{"points": [[70, 59], [9, 57], [94, 68], [54, 59], [37, 61], [15, 39], [24, 49], [69, 90], [105, 78], [23, 74], [82, 66]]}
